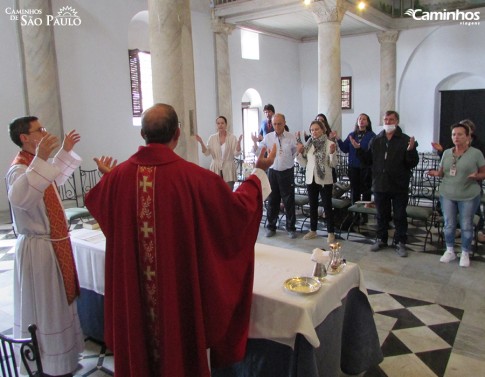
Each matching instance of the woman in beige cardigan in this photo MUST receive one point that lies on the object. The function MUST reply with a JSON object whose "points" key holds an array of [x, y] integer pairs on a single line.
{"points": [[222, 146]]}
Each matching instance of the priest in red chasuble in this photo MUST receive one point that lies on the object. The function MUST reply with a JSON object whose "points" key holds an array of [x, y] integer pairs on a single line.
{"points": [[179, 256]]}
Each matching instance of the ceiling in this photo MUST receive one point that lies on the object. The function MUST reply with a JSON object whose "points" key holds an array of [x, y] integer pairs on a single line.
{"points": [[292, 19]]}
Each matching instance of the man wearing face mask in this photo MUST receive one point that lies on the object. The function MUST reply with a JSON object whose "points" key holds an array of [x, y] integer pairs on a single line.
{"points": [[392, 155]]}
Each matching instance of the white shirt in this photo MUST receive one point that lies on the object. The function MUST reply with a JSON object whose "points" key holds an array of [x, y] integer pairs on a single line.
{"points": [[285, 149]]}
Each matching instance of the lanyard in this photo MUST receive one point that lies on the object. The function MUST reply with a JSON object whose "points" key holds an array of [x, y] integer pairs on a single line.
{"points": [[455, 161], [279, 141], [456, 158]]}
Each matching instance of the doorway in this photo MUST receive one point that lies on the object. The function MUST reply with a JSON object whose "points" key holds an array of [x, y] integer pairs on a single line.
{"points": [[250, 117], [250, 110], [457, 105]]}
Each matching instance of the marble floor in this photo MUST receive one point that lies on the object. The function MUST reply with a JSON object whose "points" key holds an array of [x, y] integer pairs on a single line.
{"points": [[430, 316]]}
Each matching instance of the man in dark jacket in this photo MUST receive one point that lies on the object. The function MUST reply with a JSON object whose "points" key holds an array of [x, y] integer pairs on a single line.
{"points": [[392, 155]]}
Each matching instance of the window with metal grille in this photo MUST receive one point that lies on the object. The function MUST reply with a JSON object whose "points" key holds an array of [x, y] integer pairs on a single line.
{"points": [[141, 83]]}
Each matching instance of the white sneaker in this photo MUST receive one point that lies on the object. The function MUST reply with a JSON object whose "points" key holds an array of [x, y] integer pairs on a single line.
{"points": [[331, 238], [447, 257], [464, 259], [310, 235]]}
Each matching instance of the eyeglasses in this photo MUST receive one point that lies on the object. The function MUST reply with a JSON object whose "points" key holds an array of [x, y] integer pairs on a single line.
{"points": [[41, 130]]}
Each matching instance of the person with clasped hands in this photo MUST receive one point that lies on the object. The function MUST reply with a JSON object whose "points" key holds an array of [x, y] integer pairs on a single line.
{"points": [[461, 168], [179, 256], [392, 155], [319, 157]]}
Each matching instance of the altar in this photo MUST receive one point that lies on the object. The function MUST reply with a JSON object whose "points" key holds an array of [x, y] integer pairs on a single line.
{"points": [[294, 334]]}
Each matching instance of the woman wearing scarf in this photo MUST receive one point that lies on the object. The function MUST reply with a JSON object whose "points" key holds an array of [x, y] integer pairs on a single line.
{"points": [[222, 147], [319, 157]]}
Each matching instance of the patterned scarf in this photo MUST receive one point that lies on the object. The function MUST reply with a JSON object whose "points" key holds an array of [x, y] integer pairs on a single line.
{"points": [[61, 242], [320, 152]]}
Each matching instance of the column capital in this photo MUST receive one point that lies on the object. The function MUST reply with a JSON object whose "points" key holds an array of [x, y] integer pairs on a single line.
{"points": [[389, 36], [328, 10], [219, 26]]}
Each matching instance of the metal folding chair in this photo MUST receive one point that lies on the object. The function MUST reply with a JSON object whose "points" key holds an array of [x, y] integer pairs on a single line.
{"points": [[29, 355]]}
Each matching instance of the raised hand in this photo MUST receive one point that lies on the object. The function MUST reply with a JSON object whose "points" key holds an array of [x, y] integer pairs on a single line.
{"points": [[105, 163], [265, 162], [255, 137], [46, 146], [70, 140], [355, 144], [412, 141], [437, 146]]}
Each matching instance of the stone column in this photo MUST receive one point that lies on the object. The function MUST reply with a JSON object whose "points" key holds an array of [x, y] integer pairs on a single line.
{"points": [[223, 73], [388, 40], [172, 57], [329, 14], [40, 75]]}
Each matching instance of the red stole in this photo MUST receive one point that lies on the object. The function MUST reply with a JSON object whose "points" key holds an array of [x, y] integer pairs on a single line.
{"points": [[61, 242]]}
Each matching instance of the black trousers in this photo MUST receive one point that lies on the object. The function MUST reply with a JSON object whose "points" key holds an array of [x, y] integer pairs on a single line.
{"points": [[325, 191], [395, 203], [360, 183], [282, 189]]}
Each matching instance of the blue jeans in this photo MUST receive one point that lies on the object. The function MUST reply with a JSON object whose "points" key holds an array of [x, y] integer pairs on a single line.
{"points": [[466, 210]]}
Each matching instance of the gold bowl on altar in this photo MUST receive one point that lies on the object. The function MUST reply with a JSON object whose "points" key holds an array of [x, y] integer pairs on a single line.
{"points": [[302, 284]]}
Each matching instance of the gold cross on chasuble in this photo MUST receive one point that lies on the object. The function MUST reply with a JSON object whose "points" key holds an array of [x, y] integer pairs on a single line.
{"points": [[147, 248], [145, 183]]}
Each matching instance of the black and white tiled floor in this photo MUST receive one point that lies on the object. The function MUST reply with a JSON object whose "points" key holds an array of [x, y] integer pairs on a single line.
{"points": [[414, 333], [429, 316]]}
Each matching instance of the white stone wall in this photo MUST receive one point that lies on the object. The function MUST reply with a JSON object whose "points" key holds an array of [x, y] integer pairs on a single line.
{"points": [[94, 79]]}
